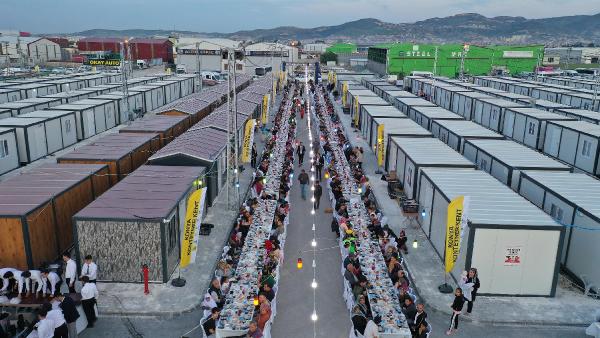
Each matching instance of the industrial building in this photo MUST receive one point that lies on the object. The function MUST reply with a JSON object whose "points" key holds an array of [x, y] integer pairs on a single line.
{"points": [[402, 59], [29, 50], [141, 49], [210, 58]]}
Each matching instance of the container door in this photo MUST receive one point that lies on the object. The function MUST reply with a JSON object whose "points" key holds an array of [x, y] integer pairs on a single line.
{"points": [[69, 132], [111, 116], [36, 138], [53, 135]]}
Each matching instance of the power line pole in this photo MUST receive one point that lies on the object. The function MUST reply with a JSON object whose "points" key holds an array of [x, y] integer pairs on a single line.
{"points": [[199, 63], [462, 62], [235, 135]]}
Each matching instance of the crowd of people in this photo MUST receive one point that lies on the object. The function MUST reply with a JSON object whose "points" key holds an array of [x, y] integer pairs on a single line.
{"points": [[57, 313], [226, 273]]}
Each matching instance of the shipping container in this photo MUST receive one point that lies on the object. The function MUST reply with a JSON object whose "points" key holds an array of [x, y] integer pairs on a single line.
{"points": [[490, 112], [405, 103], [572, 200], [357, 93], [91, 119], [32, 90], [544, 104], [28, 105], [505, 160], [149, 209], [414, 154], [36, 209], [4, 113], [380, 88], [528, 125], [549, 93], [522, 88], [31, 137], [9, 155], [391, 95], [463, 103], [370, 83], [60, 128], [445, 95], [580, 100], [364, 101], [72, 96], [455, 132], [154, 96], [135, 100], [67, 85], [425, 115], [9, 95], [171, 89], [580, 114], [372, 112], [574, 142], [122, 152]]}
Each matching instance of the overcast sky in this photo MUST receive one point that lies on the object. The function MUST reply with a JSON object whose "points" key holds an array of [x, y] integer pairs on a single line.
{"points": [[55, 16]]}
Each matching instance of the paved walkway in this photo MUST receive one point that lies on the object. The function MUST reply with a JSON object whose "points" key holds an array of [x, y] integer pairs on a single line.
{"points": [[295, 295], [568, 308]]}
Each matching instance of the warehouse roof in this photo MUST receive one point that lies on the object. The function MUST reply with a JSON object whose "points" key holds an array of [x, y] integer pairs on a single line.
{"points": [[202, 143], [491, 202], [467, 129], [516, 155], [430, 151], [579, 189], [149, 193], [94, 39]]}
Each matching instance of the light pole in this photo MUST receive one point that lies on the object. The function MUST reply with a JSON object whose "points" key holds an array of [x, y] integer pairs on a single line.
{"points": [[199, 63]]}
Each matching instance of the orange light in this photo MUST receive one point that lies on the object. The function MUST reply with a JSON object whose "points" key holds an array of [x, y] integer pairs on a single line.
{"points": [[255, 300], [326, 175], [299, 264]]}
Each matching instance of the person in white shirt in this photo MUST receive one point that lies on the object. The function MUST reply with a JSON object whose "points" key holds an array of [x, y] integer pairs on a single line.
{"points": [[8, 278], [36, 280], [89, 269], [372, 329], [45, 327], [70, 272], [58, 320], [23, 279], [51, 282], [89, 295]]}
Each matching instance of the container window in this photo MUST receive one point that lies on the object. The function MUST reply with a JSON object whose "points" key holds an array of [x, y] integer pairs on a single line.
{"points": [[556, 212], [483, 165], [531, 128], [172, 229], [4, 149], [586, 149], [68, 126]]}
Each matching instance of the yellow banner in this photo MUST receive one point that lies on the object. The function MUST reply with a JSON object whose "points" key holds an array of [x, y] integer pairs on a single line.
{"points": [[265, 110], [344, 93], [191, 230], [356, 112], [248, 139], [456, 221], [380, 144]]}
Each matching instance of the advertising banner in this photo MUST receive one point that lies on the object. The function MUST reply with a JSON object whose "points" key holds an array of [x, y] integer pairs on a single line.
{"points": [[191, 230]]}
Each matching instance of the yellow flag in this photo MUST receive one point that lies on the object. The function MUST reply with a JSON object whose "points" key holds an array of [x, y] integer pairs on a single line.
{"points": [[265, 110], [344, 93], [356, 112], [248, 139], [456, 221], [380, 145], [191, 230]]}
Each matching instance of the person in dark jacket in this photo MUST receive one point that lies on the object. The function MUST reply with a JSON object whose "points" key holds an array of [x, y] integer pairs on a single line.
{"points": [[70, 312], [359, 321], [300, 151], [457, 306], [318, 193], [422, 330], [409, 309], [254, 156], [420, 317], [472, 278]]}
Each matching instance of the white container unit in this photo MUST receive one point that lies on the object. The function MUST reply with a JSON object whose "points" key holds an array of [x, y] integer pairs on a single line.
{"points": [[391, 95], [505, 160], [570, 199], [26, 106], [188, 83], [463, 103], [581, 100], [71, 96], [549, 93], [153, 96], [371, 83], [171, 89], [574, 142], [108, 108], [522, 88], [455, 132], [528, 125], [90, 120], [489, 112], [425, 115], [405, 103], [501, 223], [395, 127], [5, 112], [31, 137], [9, 155], [369, 101], [357, 93], [544, 104], [514, 97], [109, 87], [31, 90], [580, 114], [444, 95], [66, 85], [481, 81], [414, 154], [380, 88], [92, 80], [61, 131], [373, 112], [9, 95]]}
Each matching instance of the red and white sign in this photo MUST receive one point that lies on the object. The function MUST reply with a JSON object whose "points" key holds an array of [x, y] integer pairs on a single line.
{"points": [[512, 255]]}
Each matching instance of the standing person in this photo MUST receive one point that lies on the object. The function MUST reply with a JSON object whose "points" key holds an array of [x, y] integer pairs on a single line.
{"points": [[359, 156], [70, 312], [89, 295], [70, 271], [372, 329], [320, 161], [254, 156], [457, 305], [89, 269], [300, 151], [318, 194], [58, 318], [210, 325], [51, 282], [303, 178], [45, 326], [420, 317], [474, 279]]}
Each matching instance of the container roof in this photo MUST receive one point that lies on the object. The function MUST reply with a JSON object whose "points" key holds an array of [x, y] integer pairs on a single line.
{"points": [[580, 126], [467, 129], [111, 147], [540, 114], [501, 102], [372, 100], [381, 111], [218, 119], [583, 113], [517, 156], [399, 93], [547, 104], [202, 143], [154, 123], [19, 122], [491, 202], [361, 92], [21, 194], [415, 101], [47, 113], [425, 151], [71, 93], [149, 193], [437, 113], [402, 126], [579, 189], [39, 100]]}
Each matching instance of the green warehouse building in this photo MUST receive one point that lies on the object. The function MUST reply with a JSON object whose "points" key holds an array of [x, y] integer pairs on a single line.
{"points": [[403, 58]]}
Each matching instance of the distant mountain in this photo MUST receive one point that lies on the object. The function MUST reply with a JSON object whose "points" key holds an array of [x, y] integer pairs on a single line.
{"points": [[468, 27]]}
